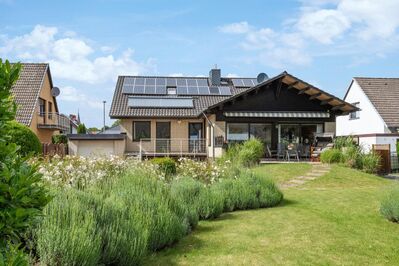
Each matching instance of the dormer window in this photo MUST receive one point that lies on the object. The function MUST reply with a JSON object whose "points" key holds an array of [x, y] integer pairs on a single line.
{"points": [[354, 115]]}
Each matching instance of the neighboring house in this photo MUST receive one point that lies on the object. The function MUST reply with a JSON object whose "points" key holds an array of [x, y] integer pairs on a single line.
{"points": [[377, 121], [112, 130], [36, 102], [198, 116]]}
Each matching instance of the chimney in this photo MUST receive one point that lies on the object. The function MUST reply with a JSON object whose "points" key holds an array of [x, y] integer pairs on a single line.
{"points": [[215, 76]]}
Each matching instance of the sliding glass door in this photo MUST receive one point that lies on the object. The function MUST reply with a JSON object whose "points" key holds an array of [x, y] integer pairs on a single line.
{"points": [[239, 132]]}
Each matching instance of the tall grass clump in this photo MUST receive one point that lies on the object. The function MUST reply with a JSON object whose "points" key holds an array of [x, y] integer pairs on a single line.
{"points": [[246, 154], [390, 205], [331, 156]]}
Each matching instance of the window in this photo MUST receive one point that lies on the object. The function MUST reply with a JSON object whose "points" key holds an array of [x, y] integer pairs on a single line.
{"points": [[354, 115], [50, 110], [262, 132], [141, 130], [42, 107], [171, 90], [237, 132]]}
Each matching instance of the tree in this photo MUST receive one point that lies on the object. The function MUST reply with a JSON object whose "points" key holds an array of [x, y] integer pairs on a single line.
{"points": [[117, 122], [82, 129], [22, 197]]}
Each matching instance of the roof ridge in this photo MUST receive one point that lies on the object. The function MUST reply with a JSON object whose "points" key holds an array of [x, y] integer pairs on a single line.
{"points": [[375, 78], [191, 77]]}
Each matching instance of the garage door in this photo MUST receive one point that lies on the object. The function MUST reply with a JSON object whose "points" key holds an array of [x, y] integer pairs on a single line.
{"points": [[96, 148]]}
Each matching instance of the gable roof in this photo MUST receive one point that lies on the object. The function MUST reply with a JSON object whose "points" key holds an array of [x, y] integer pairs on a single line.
{"points": [[383, 93], [202, 103], [300, 85], [27, 89]]}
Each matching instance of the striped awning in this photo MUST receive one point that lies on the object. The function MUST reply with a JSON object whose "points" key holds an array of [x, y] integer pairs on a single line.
{"points": [[278, 114]]}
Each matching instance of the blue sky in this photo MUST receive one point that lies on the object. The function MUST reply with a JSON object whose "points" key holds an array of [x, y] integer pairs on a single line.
{"points": [[89, 43]]}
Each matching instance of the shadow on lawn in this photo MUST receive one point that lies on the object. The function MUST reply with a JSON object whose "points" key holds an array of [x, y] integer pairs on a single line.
{"points": [[286, 202]]}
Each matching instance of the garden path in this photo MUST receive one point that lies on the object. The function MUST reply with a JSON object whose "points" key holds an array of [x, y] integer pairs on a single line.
{"points": [[318, 170]]}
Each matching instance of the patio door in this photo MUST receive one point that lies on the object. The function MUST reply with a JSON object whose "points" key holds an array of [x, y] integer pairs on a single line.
{"points": [[162, 137], [195, 137]]}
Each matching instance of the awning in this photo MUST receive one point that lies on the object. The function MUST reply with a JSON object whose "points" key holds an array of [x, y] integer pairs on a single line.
{"points": [[278, 114]]}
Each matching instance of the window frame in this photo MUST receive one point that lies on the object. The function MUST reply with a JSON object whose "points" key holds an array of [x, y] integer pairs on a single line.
{"points": [[356, 114], [135, 138], [50, 110], [42, 111]]}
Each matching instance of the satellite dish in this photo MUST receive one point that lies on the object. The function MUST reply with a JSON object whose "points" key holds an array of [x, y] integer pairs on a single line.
{"points": [[262, 77], [55, 91]]}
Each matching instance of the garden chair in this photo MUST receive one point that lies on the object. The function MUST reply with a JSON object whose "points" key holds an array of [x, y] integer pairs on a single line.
{"points": [[292, 152], [271, 153], [281, 151]]}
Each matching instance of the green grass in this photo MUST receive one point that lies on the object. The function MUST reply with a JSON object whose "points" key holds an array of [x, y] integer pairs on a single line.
{"points": [[333, 220], [282, 172]]}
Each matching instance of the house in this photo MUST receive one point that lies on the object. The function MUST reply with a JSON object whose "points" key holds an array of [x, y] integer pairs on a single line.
{"points": [[37, 107], [377, 120], [198, 116]]}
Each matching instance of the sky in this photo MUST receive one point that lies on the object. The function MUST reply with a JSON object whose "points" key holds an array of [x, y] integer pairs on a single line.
{"points": [[89, 43]]}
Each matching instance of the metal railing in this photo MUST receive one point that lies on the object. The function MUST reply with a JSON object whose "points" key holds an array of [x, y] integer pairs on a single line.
{"points": [[172, 147], [52, 121]]}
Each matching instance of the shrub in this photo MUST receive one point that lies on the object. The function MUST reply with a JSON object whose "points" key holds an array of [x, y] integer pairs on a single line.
{"points": [[24, 138], [59, 138], [390, 205], [22, 195], [210, 203], [343, 142], [11, 255], [251, 152], [370, 163], [351, 156], [331, 156], [166, 165], [207, 172]]}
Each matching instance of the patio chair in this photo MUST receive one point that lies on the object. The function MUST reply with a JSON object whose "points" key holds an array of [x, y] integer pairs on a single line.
{"points": [[281, 151], [271, 153], [292, 152]]}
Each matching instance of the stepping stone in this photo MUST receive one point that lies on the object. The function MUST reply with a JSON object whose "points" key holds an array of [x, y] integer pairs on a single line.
{"points": [[296, 181]]}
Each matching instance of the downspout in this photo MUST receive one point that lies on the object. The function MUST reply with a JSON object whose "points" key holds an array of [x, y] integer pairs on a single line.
{"points": [[212, 135]]}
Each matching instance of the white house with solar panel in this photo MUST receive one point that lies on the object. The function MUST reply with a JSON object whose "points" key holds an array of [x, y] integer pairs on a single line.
{"points": [[201, 116]]}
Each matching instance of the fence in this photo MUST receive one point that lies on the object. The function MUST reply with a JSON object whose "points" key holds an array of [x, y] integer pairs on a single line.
{"points": [[394, 162], [50, 149]]}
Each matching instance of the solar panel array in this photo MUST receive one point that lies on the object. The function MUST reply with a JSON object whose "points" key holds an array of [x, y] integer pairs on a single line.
{"points": [[248, 82], [184, 86], [160, 102]]}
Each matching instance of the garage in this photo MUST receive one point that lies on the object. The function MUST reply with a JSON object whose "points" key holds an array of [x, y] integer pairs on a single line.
{"points": [[96, 144]]}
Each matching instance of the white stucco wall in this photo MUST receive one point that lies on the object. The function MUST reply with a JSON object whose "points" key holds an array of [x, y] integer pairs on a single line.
{"points": [[367, 142], [369, 119]]}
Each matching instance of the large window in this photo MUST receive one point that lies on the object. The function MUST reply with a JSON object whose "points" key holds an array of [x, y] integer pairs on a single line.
{"points": [[141, 130], [42, 107], [354, 115], [261, 131], [290, 134], [50, 110], [237, 132]]}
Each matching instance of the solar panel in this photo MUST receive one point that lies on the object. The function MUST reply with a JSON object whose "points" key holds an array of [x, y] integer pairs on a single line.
{"points": [[202, 82], [138, 89], [248, 83], [225, 90], [149, 89], [214, 90], [181, 90], [203, 90], [150, 81], [171, 82], [238, 82], [128, 81], [181, 82], [160, 81], [139, 81], [160, 102], [127, 88], [160, 89], [192, 90]]}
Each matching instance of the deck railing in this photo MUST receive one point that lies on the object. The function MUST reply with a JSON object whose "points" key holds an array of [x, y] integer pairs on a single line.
{"points": [[53, 121], [172, 147]]}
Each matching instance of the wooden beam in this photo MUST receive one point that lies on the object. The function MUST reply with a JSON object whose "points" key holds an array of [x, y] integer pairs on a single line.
{"points": [[338, 107], [292, 85], [326, 101], [305, 89], [314, 96]]}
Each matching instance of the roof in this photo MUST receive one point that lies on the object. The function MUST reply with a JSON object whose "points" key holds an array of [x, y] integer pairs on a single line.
{"points": [[384, 95], [300, 85], [27, 89], [112, 130], [96, 136], [120, 108], [202, 103]]}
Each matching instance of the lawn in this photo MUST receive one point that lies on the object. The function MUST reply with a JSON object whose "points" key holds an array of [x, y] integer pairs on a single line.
{"points": [[333, 220]]}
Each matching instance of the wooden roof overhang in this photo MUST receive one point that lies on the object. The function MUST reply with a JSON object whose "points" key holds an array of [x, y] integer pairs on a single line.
{"points": [[339, 106]]}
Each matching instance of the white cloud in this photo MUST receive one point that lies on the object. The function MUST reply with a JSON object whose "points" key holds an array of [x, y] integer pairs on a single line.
{"points": [[71, 94], [176, 75], [352, 28], [232, 75], [71, 57], [235, 28]]}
